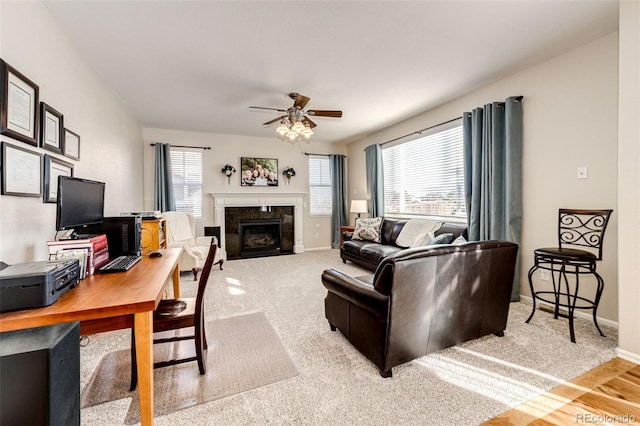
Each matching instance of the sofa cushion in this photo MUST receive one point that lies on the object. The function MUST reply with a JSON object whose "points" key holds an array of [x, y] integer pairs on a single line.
{"points": [[355, 246], [376, 252], [415, 228], [368, 229], [391, 228]]}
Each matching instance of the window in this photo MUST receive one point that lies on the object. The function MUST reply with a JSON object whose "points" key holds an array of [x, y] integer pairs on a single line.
{"points": [[319, 186], [425, 176], [186, 171]]}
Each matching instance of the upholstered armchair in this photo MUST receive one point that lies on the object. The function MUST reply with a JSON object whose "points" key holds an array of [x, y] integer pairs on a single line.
{"points": [[181, 232]]}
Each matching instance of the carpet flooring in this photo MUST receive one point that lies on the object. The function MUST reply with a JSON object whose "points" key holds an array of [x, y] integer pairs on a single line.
{"points": [[244, 353], [336, 385]]}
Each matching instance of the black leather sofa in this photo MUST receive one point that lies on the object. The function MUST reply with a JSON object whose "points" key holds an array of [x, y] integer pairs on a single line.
{"points": [[422, 300], [369, 254]]}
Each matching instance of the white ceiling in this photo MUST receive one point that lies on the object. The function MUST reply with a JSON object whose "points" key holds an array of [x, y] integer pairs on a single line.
{"points": [[198, 66]]}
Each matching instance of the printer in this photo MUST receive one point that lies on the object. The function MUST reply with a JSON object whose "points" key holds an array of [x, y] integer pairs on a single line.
{"points": [[36, 284]]}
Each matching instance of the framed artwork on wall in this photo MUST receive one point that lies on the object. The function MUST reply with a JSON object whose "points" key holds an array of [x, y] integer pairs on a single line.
{"points": [[21, 171], [51, 129], [54, 167], [71, 144], [258, 171], [19, 114]]}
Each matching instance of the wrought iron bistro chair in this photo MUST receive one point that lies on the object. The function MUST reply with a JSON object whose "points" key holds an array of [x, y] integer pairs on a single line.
{"points": [[582, 228], [174, 314]]}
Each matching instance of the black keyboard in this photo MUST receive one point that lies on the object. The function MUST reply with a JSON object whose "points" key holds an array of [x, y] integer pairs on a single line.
{"points": [[120, 264]]}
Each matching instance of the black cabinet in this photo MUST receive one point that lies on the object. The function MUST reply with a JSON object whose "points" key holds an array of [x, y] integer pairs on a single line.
{"points": [[40, 376]]}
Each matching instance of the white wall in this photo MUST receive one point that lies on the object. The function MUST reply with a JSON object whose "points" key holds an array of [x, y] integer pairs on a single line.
{"points": [[34, 44], [227, 149], [570, 120], [629, 182]]}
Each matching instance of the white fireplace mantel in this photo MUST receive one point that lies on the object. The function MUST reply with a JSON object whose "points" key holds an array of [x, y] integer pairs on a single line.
{"points": [[231, 199]]}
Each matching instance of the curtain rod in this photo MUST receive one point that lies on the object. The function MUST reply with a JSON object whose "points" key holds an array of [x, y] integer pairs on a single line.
{"points": [[417, 132], [185, 146], [321, 155]]}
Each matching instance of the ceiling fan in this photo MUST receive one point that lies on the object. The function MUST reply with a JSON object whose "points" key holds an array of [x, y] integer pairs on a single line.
{"points": [[295, 121]]}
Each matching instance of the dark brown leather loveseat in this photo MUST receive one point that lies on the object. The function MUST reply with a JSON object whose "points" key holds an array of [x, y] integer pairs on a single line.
{"points": [[369, 254], [422, 300]]}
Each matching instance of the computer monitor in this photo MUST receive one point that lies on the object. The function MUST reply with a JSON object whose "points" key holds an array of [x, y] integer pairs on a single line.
{"points": [[80, 203]]}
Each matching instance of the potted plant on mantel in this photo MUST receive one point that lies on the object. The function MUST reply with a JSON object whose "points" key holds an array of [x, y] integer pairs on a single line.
{"points": [[289, 172], [228, 170]]}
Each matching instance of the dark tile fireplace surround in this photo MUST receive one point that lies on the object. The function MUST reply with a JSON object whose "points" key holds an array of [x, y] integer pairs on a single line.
{"points": [[266, 231]]}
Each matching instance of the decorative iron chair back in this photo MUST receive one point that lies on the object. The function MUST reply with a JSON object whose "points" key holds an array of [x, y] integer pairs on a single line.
{"points": [[582, 228]]}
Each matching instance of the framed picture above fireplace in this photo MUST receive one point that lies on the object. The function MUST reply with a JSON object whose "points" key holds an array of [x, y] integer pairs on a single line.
{"points": [[258, 171]]}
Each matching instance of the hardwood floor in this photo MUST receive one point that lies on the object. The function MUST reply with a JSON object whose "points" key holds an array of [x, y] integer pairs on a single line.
{"points": [[608, 394]]}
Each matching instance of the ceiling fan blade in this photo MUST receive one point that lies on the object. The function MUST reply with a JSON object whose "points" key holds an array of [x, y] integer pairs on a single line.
{"points": [[307, 121], [270, 109], [324, 113], [301, 101], [275, 120]]}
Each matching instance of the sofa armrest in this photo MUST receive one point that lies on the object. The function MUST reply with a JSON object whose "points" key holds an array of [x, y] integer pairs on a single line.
{"points": [[356, 291], [347, 235]]}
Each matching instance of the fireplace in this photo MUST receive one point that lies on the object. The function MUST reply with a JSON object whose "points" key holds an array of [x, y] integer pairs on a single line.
{"points": [[239, 222], [260, 237], [231, 208]]}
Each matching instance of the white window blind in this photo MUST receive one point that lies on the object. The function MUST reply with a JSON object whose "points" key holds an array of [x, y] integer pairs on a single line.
{"points": [[320, 202], [186, 171], [425, 176]]}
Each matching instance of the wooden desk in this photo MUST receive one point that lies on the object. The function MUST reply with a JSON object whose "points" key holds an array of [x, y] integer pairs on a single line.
{"points": [[107, 302]]}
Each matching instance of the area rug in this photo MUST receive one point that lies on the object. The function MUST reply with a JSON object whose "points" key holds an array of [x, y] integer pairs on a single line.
{"points": [[244, 353]]}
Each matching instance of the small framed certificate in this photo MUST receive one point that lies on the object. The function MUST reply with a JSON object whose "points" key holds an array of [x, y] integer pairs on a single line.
{"points": [[51, 129], [53, 168], [19, 115], [71, 144], [21, 171]]}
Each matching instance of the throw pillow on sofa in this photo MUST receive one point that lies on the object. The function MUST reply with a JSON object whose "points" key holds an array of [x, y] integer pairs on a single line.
{"points": [[413, 229], [368, 230], [430, 239], [422, 240], [442, 239], [460, 240]]}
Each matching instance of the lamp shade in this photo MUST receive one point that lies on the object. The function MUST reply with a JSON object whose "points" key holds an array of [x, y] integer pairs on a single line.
{"points": [[358, 206]]}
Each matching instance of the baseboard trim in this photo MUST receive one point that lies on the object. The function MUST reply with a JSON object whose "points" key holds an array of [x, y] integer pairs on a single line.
{"points": [[629, 356], [577, 314], [318, 248]]}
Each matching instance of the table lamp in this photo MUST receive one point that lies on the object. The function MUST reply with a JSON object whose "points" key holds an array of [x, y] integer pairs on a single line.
{"points": [[359, 207]]}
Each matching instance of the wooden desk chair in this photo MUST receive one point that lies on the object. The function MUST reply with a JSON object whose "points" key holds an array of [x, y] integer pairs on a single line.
{"points": [[581, 228], [173, 314]]}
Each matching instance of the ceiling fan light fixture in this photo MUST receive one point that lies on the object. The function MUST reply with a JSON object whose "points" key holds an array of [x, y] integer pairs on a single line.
{"points": [[282, 129], [306, 133], [298, 127], [295, 124]]}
